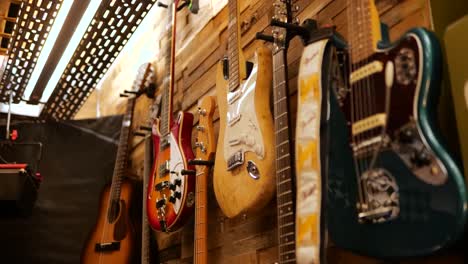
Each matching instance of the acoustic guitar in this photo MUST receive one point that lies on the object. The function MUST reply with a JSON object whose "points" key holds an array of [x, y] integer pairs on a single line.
{"points": [[394, 190], [113, 236], [171, 186], [243, 176], [204, 156]]}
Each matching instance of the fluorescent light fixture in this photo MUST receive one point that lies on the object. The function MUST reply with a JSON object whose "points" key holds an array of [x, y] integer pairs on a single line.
{"points": [[48, 45], [71, 47], [23, 109]]}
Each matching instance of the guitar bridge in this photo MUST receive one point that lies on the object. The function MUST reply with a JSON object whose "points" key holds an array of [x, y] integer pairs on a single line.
{"points": [[235, 160], [107, 247]]}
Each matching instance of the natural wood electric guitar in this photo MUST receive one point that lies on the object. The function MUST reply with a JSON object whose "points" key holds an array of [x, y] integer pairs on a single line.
{"points": [[393, 189], [112, 238], [244, 166], [171, 187], [204, 156]]}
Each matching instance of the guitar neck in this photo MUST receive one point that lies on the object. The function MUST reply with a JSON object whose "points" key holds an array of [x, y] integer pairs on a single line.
{"points": [[201, 217], [284, 184], [166, 110], [121, 160], [363, 29], [237, 71], [145, 229]]}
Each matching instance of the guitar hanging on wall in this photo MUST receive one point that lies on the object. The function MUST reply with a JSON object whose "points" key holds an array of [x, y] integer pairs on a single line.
{"points": [[284, 167], [394, 190], [204, 159], [171, 186], [243, 176], [112, 238]]}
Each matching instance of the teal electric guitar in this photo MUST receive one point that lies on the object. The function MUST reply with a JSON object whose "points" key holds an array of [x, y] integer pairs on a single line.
{"points": [[394, 190]]}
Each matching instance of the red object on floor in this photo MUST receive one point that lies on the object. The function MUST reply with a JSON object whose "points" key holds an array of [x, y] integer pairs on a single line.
{"points": [[13, 166]]}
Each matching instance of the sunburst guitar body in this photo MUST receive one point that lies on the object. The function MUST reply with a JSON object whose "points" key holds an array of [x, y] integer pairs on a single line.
{"points": [[171, 186], [117, 234]]}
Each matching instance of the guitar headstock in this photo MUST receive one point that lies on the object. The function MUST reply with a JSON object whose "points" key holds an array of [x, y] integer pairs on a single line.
{"points": [[205, 137], [144, 79], [283, 12]]}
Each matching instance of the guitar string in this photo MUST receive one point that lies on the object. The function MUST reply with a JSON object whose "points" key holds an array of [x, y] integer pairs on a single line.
{"points": [[365, 8]]}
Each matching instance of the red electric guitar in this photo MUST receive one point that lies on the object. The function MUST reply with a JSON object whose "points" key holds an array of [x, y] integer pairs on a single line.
{"points": [[171, 186]]}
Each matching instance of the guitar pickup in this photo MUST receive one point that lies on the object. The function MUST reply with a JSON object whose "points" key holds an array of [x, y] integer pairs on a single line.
{"points": [[164, 169], [233, 119], [164, 144], [235, 160], [107, 247]]}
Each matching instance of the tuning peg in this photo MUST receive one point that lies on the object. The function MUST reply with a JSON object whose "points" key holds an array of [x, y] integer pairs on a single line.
{"points": [[124, 95], [201, 111], [200, 128], [162, 5]]}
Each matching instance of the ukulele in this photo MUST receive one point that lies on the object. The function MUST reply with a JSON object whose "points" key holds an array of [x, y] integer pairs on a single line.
{"points": [[204, 156], [112, 238], [171, 186], [394, 190], [243, 178]]}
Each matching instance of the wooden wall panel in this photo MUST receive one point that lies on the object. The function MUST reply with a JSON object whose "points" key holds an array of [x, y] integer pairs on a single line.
{"points": [[252, 238]]}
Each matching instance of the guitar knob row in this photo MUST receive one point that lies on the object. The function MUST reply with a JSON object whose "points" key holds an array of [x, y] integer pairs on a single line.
{"points": [[174, 197]]}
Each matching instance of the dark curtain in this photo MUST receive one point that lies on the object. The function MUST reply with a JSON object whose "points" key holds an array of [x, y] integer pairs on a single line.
{"points": [[77, 161]]}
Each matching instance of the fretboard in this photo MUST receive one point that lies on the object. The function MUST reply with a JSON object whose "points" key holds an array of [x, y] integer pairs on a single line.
{"points": [[362, 44], [121, 160], [168, 82], [233, 45], [145, 229], [284, 184], [201, 217]]}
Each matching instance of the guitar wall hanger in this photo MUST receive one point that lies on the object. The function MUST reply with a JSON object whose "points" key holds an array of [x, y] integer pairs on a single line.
{"points": [[149, 91], [308, 31]]}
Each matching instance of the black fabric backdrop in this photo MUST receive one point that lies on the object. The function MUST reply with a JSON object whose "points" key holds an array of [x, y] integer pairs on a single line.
{"points": [[77, 161]]}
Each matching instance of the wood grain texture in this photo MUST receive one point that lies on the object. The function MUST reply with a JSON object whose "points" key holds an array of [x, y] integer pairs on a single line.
{"points": [[237, 192], [252, 238], [104, 232]]}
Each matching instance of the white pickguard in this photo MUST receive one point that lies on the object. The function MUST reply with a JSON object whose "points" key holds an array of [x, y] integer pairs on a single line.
{"points": [[176, 164], [243, 131]]}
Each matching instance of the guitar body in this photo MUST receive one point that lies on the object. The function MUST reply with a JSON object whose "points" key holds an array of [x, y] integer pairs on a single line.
{"points": [[177, 153], [120, 230], [246, 129], [412, 173]]}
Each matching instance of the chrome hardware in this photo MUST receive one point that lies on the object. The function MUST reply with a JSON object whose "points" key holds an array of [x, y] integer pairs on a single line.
{"points": [[382, 196], [235, 160], [252, 169], [201, 111], [405, 66], [201, 146], [200, 128]]}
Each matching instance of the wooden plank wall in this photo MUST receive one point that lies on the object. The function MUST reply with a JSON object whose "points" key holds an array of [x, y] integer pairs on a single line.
{"points": [[252, 238]]}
